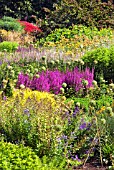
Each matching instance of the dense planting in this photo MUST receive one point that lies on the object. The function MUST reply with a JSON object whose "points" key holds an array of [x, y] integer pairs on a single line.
{"points": [[53, 81], [57, 92], [62, 13]]}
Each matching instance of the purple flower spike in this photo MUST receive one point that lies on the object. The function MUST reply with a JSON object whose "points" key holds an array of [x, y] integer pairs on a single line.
{"points": [[51, 81]]}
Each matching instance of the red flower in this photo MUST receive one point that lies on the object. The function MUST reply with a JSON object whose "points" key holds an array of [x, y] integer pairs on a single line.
{"points": [[29, 27]]}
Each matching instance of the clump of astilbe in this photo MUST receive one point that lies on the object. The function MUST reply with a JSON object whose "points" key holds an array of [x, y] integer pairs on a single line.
{"points": [[56, 78], [41, 83], [23, 79], [53, 80], [74, 78], [48, 81], [33, 122]]}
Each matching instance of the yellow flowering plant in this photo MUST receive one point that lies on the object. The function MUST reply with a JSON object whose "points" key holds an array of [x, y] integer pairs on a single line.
{"points": [[26, 94], [33, 118]]}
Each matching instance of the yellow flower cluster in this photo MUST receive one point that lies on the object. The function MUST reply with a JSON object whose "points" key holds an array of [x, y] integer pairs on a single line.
{"points": [[24, 95], [101, 110]]}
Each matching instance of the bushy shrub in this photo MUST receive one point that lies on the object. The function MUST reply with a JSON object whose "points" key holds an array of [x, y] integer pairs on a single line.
{"points": [[102, 59], [72, 32], [15, 157], [10, 24], [29, 27], [8, 46], [20, 157]]}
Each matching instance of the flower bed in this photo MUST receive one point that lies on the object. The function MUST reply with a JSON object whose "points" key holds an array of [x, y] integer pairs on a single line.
{"points": [[56, 104]]}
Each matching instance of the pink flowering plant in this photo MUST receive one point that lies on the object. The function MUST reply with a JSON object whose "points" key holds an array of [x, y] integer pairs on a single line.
{"points": [[54, 81]]}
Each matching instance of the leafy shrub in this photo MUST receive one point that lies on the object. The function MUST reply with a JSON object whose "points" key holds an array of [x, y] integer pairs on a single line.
{"points": [[20, 157], [102, 59], [14, 156], [29, 27], [76, 30], [10, 24], [8, 46]]}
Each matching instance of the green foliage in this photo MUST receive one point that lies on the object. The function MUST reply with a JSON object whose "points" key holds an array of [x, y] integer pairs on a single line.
{"points": [[15, 157], [8, 19], [7, 46], [10, 24], [102, 59], [73, 31], [20, 157], [102, 100], [21, 9], [15, 9], [89, 13]]}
